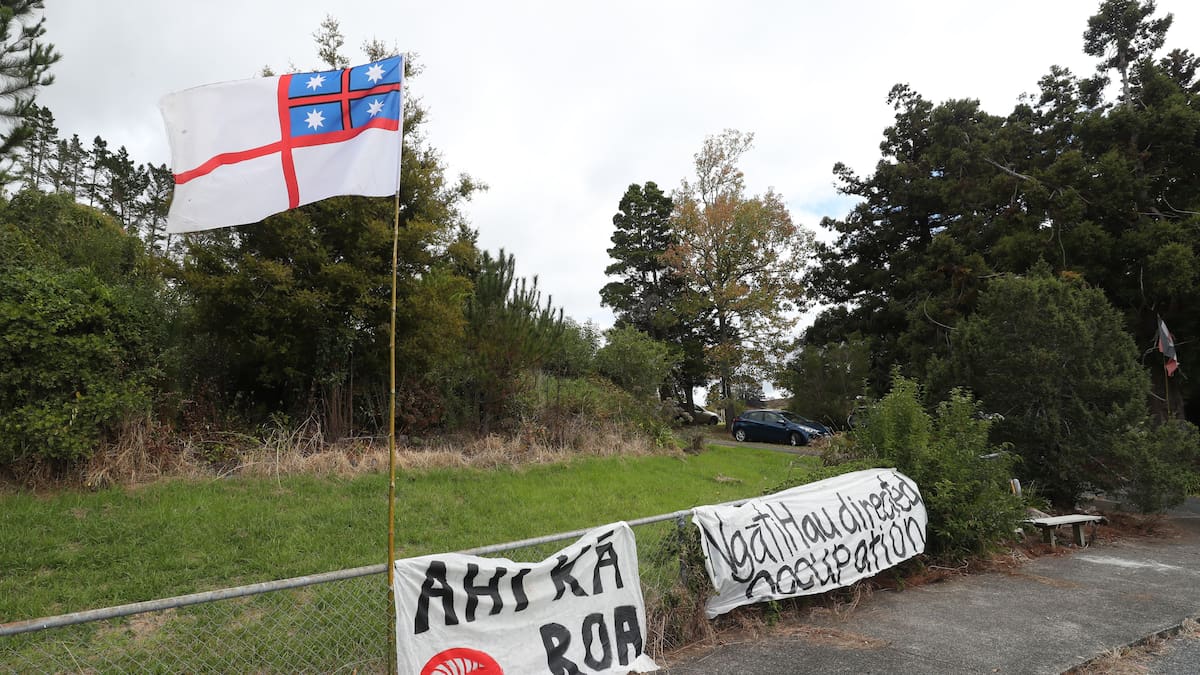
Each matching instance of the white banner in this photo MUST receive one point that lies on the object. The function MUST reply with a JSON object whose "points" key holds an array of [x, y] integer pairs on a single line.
{"points": [[580, 611], [811, 538]]}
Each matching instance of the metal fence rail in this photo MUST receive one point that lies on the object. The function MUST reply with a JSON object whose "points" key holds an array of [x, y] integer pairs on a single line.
{"points": [[321, 623]]}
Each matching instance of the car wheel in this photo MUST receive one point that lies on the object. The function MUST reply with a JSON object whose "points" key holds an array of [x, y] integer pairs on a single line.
{"points": [[713, 420], [739, 435], [797, 439]]}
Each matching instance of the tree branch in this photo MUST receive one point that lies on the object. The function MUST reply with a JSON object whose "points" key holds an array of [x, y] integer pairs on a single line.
{"points": [[1010, 172]]}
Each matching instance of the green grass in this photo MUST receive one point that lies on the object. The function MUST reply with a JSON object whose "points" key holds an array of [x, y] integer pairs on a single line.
{"points": [[74, 551]]}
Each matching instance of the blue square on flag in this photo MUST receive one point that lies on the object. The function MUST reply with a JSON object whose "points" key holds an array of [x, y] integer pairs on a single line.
{"points": [[316, 118], [387, 71], [312, 84], [367, 109]]}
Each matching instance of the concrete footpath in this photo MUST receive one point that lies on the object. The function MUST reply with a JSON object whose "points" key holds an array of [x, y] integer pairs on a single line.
{"points": [[1048, 615]]}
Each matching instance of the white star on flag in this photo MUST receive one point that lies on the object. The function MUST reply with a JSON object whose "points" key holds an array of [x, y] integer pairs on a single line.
{"points": [[375, 72], [315, 119], [315, 82], [375, 108]]}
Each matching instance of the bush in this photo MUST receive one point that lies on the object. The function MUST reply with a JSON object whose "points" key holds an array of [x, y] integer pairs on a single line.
{"points": [[1163, 464], [82, 329], [568, 410], [74, 360], [1051, 355], [634, 361], [825, 380], [963, 479]]}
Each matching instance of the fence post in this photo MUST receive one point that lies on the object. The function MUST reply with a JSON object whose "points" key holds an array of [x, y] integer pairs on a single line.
{"points": [[681, 538]]}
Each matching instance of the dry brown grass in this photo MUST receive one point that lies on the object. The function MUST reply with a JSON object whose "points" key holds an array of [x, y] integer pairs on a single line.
{"points": [[676, 620], [834, 637], [1135, 659], [145, 452]]}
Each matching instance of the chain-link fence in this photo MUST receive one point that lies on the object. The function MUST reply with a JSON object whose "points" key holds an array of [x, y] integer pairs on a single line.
{"points": [[328, 623]]}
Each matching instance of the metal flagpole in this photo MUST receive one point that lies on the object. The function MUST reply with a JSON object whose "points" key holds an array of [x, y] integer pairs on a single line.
{"points": [[1167, 386], [391, 510]]}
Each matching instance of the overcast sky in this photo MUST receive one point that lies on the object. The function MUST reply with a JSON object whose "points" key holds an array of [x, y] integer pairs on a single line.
{"points": [[558, 106]]}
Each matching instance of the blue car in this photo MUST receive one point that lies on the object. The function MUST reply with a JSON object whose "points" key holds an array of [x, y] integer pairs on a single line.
{"points": [[800, 419], [774, 426]]}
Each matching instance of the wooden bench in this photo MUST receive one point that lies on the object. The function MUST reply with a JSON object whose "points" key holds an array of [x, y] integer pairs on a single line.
{"points": [[1050, 524]]}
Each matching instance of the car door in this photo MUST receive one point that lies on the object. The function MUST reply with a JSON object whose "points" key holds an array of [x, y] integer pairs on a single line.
{"points": [[775, 427], [752, 424]]}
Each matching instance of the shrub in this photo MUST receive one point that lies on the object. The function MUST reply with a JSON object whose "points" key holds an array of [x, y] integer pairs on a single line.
{"points": [[963, 479], [82, 328], [634, 361], [1163, 464], [1050, 354], [826, 379], [567, 410], [75, 358]]}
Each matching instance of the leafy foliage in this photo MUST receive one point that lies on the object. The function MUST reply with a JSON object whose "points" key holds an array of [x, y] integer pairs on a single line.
{"points": [[1163, 465], [1050, 355], [740, 257], [634, 361], [826, 380], [576, 353], [962, 477], [83, 330], [25, 61]]}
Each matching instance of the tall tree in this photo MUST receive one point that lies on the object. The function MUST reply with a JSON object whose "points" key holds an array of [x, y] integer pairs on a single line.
{"points": [[907, 262], [39, 148], [126, 183], [509, 331], [97, 168], [329, 43], [74, 164], [25, 61], [152, 207], [1121, 33], [642, 233], [648, 294], [741, 258]]}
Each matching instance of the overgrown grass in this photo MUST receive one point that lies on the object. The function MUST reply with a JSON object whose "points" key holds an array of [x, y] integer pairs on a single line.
{"points": [[80, 550]]}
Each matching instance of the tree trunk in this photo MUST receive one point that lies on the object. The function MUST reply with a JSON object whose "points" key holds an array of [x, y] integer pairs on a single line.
{"points": [[725, 374]]}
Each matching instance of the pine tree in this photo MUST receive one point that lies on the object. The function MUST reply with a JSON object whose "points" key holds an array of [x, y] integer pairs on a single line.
{"points": [[24, 66], [648, 292], [38, 152], [153, 205], [126, 182], [71, 159], [1121, 34], [97, 165]]}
